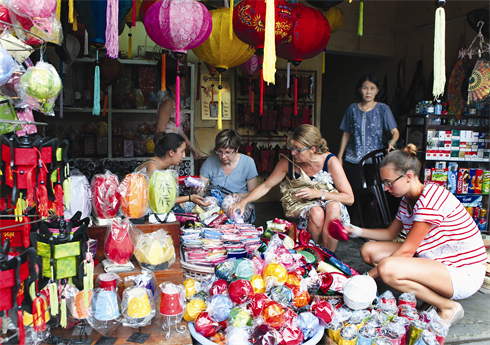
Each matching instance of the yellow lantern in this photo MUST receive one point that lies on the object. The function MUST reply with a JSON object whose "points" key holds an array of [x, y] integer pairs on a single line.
{"points": [[336, 19], [220, 51]]}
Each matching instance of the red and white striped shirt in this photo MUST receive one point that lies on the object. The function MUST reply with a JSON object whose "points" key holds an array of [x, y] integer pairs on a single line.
{"points": [[454, 238]]}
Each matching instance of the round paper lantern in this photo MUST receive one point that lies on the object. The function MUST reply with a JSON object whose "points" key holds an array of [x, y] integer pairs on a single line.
{"points": [[144, 8], [178, 25], [93, 15], [33, 8], [249, 21], [310, 35], [251, 66], [42, 82], [244, 269], [276, 272], [194, 308], [239, 317], [220, 307], [134, 195], [105, 196], [240, 291], [163, 190], [336, 19], [359, 292], [324, 4], [218, 50], [7, 64]]}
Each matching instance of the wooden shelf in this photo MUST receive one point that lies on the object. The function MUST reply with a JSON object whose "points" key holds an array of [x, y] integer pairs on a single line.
{"points": [[123, 61]]}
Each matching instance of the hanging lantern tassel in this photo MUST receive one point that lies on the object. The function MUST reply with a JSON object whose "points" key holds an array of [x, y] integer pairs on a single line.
{"points": [[63, 317], [90, 270], [164, 66], [112, 28], [96, 108], [85, 44], [296, 92], [53, 296], [20, 324], [26, 231], [177, 97], [75, 24], [130, 44], [38, 321], [261, 105], [323, 62], [361, 19], [269, 62], [58, 8], [71, 18], [67, 188], [439, 53], [198, 92], [250, 90], [231, 20], [288, 76], [220, 121], [133, 14]]}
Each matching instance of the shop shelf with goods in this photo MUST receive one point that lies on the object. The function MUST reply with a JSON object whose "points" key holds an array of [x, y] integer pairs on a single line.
{"points": [[456, 155], [128, 112], [264, 136]]}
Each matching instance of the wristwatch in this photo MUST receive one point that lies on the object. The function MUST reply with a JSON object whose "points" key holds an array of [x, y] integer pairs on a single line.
{"points": [[324, 195]]}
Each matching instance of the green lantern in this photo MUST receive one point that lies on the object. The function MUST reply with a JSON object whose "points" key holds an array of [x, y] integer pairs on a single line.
{"points": [[163, 190]]}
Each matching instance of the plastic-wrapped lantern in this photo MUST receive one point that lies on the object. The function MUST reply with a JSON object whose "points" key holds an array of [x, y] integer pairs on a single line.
{"points": [[263, 335], [293, 280], [134, 195], [105, 305], [206, 326], [273, 314], [258, 302], [172, 300], [34, 8], [79, 308], [240, 291], [309, 324], [291, 336], [239, 317], [219, 287], [220, 307], [275, 273], [238, 336], [258, 284], [244, 269], [8, 65], [105, 195], [301, 298], [191, 287], [224, 270], [140, 309], [41, 84], [282, 294], [194, 308], [118, 245], [163, 190], [322, 310]]}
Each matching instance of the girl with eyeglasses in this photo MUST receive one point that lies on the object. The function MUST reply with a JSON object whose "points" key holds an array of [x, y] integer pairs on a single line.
{"points": [[311, 155], [442, 258]]}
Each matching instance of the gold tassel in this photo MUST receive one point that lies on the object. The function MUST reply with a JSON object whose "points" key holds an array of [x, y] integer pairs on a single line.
{"points": [[75, 23], [231, 20], [63, 317], [67, 189], [58, 8], [70, 12], [130, 44], [269, 62], [360, 28], [164, 66], [220, 122], [53, 298], [439, 53]]}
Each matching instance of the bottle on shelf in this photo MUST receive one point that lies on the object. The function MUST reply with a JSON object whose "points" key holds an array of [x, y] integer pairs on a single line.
{"points": [[430, 108], [424, 108], [417, 108]]}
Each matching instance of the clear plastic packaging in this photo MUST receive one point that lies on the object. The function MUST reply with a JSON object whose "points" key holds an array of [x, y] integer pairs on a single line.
{"points": [[105, 195], [238, 336], [240, 291], [214, 203], [407, 298], [309, 324], [134, 195], [219, 307], [105, 311], [163, 190], [240, 317], [229, 200], [137, 307], [206, 326], [282, 295], [172, 300], [40, 86], [192, 287], [81, 196], [108, 281], [154, 251], [118, 247], [8, 65], [145, 279]]}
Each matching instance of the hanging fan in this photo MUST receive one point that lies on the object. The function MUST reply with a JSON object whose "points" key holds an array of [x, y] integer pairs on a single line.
{"points": [[479, 15], [479, 87], [458, 87]]}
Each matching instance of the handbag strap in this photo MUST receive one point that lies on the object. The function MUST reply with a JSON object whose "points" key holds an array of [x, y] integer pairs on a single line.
{"points": [[303, 175]]}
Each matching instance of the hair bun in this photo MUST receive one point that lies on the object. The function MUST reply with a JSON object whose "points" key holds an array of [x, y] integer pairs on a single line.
{"points": [[411, 149]]}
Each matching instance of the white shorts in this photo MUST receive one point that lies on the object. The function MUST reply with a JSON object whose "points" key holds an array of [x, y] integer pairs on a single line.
{"points": [[466, 280]]}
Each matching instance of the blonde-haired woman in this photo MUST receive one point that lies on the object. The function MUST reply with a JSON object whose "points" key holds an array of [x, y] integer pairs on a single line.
{"points": [[443, 258], [311, 155]]}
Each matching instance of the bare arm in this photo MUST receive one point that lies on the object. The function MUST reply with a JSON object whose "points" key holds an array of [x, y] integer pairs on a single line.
{"points": [[203, 179], [343, 145], [197, 199], [388, 234], [164, 112], [395, 135], [251, 185]]}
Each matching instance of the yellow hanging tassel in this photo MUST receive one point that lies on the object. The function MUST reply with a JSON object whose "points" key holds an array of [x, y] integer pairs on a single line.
{"points": [[63, 317], [53, 297], [70, 12], [90, 272], [164, 66], [220, 122], [231, 20], [58, 8], [360, 28], [67, 189], [75, 23], [130, 44], [439, 53], [269, 63]]}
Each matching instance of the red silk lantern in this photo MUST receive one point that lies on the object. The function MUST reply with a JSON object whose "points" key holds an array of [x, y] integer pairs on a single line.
{"points": [[249, 21], [310, 35], [144, 8]]}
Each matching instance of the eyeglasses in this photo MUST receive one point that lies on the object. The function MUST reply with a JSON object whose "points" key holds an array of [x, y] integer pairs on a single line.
{"points": [[225, 153], [390, 184], [298, 150]]}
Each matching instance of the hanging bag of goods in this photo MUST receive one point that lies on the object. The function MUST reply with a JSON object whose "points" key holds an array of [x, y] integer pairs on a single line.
{"points": [[105, 195], [163, 190], [119, 247], [134, 195]]}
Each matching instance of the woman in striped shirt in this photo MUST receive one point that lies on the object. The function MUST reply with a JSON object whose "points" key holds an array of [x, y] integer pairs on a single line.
{"points": [[443, 258]]}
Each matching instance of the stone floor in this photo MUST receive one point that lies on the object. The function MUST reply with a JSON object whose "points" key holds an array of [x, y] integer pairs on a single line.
{"points": [[474, 328]]}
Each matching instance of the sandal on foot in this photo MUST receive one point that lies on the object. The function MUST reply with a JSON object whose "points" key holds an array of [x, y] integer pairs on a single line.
{"points": [[458, 314]]}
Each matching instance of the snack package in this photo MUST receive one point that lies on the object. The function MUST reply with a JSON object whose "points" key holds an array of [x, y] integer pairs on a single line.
{"points": [[154, 251], [163, 190], [105, 195], [134, 195], [118, 247]]}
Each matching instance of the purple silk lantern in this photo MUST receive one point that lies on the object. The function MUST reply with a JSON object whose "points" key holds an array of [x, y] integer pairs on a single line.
{"points": [[178, 25], [249, 67]]}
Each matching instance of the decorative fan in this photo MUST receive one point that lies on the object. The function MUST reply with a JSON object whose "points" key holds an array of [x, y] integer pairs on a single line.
{"points": [[479, 87], [479, 15]]}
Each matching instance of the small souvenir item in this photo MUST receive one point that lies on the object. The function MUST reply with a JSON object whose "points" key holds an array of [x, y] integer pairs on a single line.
{"points": [[263, 335], [225, 270], [147, 280], [292, 336], [206, 326], [220, 307], [134, 195], [293, 280], [301, 298], [154, 251], [415, 330], [408, 298], [258, 302], [118, 246], [359, 292], [239, 317], [172, 306], [336, 230], [105, 305], [105, 195], [244, 269], [192, 287], [334, 328], [163, 190], [137, 307], [219, 287], [240, 291], [366, 335], [275, 273], [108, 281], [427, 338], [282, 294], [309, 324], [273, 314], [258, 284], [322, 310], [80, 309]]}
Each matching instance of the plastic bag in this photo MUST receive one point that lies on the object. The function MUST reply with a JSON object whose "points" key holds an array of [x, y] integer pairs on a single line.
{"points": [[134, 195], [108, 281], [81, 193], [172, 301], [237, 336], [118, 247], [8, 65], [154, 251], [137, 307], [105, 195], [219, 307], [163, 190], [105, 311], [40, 86], [145, 279]]}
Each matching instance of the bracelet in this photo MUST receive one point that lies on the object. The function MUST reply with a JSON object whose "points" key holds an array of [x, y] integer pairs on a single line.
{"points": [[391, 140], [357, 231], [190, 198]]}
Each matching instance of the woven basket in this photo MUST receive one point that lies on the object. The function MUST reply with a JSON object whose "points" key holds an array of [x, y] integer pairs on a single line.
{"points": [[199, 273]]}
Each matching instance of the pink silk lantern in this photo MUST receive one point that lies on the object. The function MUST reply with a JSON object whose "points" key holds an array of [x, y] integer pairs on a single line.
{"points": [[178, 25], [38, 11], [249, 67]]}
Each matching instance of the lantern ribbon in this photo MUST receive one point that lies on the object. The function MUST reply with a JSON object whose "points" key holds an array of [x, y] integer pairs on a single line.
{"points": [[261, 106], [439, 53], [360, 27], [231, 20], [164, 67], [177, 97], [96, 109], [111, 30], [296, 92], [269, 62], [220, 122]]}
